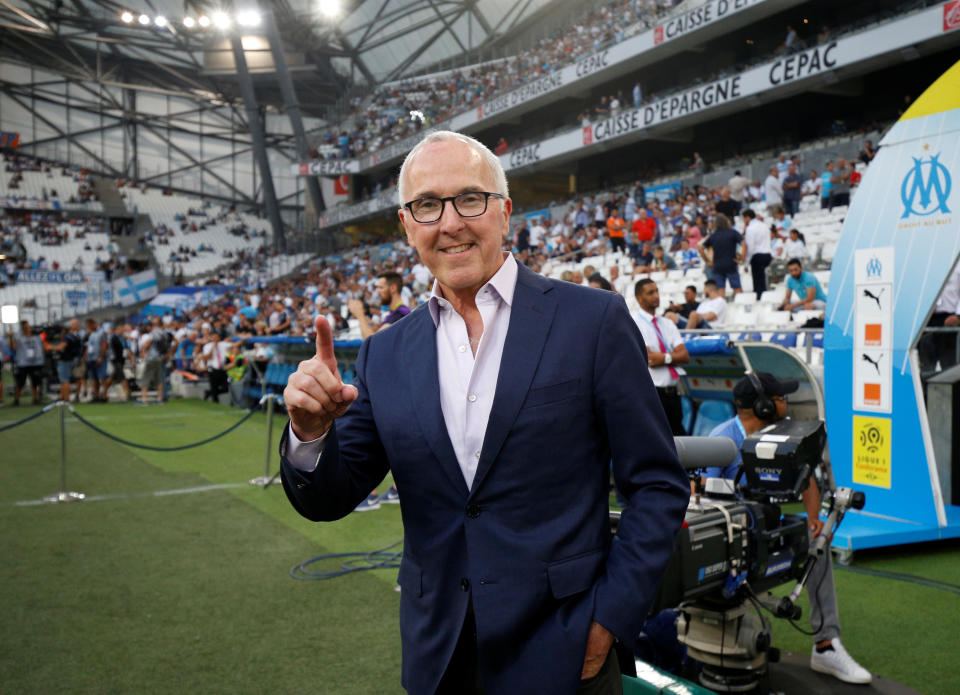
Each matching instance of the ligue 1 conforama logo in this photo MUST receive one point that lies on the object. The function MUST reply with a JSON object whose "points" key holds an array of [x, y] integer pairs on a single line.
{"points": [[925, 188], [587, 135], [951, 15]]}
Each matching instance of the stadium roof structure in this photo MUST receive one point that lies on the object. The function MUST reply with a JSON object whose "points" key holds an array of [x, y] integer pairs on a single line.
{"points": [[368, 42]]}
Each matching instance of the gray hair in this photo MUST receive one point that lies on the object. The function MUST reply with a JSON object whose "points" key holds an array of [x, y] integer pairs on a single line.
{"points": [[492, 160]]}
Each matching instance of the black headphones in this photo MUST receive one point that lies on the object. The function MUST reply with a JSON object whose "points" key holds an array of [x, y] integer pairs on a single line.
{"points": [[763, 407]]}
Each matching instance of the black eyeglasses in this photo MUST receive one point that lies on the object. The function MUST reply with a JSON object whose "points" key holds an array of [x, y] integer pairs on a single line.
{"points": [[470, 204]]}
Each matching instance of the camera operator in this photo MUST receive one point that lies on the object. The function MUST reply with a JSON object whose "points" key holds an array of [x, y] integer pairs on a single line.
{"points": [[753, 414]]}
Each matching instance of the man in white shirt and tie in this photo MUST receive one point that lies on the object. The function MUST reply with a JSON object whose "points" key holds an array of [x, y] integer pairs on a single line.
{"points": [[665, 351]]}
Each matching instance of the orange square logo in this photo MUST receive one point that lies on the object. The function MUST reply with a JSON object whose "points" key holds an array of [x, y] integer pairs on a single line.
{"points": [[872, 333], [871, 394]]}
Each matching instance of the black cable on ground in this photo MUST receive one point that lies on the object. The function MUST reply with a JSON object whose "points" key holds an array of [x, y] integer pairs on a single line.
{"points": [[25, 420], [902, 577], [115, 438], [352, 562]]}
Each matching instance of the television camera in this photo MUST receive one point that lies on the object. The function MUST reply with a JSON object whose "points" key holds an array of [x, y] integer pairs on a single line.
{"points": [[736, 544]]}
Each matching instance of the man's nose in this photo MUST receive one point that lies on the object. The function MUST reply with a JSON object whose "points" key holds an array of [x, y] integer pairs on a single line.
{"points": [[450, 220]]}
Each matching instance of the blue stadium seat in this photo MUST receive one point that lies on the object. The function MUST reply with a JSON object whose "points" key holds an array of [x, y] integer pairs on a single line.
{"points": [[710, 414], [817, 339], [787, 340], [687, 404]]}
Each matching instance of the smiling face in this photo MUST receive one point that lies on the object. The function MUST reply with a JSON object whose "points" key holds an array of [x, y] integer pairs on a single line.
{"points": [[463, 253]]}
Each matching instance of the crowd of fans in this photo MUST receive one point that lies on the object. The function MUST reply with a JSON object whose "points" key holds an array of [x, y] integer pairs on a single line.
{"points": [[655, 233], [401, 109]]}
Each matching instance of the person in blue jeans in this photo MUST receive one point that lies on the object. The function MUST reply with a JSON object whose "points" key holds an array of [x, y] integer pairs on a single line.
{"points": [[727, 246]]}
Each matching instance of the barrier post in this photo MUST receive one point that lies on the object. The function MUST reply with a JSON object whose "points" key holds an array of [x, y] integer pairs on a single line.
{"points": [[63, 495], [266, 479]]}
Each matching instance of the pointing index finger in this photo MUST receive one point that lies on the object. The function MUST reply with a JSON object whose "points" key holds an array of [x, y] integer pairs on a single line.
{"points": [[324, 340]]}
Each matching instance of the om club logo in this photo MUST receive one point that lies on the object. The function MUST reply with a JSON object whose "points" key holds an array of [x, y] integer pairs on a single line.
{"points": [[926, 188]]}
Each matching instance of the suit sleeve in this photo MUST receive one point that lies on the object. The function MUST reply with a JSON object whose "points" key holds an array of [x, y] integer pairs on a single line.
{"points": [[646, 470], [352, 464]]}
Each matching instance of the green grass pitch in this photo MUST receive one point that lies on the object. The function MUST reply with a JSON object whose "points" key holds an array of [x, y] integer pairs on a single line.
{"points": [[138, 592]]}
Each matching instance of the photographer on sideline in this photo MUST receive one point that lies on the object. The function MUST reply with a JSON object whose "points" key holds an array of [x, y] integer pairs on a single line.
{"points": [[753, 414]]}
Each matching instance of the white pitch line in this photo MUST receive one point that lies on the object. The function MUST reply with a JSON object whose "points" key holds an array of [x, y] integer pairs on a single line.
{"points": [[134, 495]]}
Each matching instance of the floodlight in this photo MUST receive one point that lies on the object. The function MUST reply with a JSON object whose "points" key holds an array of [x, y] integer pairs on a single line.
{"points": [[188, 22], [9, 314], [126, 17], [160, 21], [220, 20], [204, 20], [248, 18], [143, 19], [329, 8]]}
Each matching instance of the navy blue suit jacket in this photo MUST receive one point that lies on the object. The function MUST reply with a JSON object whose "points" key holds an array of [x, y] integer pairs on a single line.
{"points": [[530, 543]]}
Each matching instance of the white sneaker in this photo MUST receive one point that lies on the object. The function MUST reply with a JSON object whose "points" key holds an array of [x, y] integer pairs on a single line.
{"points": [[838, 663]]}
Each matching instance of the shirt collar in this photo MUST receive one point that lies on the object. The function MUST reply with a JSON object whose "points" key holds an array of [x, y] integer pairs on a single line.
{"points": [[503, 283], [646, 315]]}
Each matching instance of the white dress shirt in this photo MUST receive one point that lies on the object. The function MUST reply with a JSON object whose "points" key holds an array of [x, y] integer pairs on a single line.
{"points": [[670, 335], [467, 382], [758, 238]]}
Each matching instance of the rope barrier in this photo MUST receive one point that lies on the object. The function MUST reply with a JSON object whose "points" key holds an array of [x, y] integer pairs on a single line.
{"points": [[42, 411], [115, 438]]}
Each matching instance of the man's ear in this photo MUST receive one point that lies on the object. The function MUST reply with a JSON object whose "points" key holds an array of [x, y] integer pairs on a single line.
{"points": [[402, 214]]}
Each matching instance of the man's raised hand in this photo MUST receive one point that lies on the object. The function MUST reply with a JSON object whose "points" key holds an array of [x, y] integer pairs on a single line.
{"points": [[315, 395]]}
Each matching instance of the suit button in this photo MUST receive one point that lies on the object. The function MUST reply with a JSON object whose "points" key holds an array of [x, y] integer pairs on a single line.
{"points": [[465, 584], [473, 511]]}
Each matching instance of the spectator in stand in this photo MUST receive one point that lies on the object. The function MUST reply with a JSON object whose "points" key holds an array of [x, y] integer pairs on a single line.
{"points": [[698, 166], [795, 246], [727, 205], [644, 227], [738, 184], [390, 291], [644, 261], [710, 313], [868, 152], [687, 307], [758, 252], [537, 232], [616, 229], [661, 260], [772, 189], [812, 185], [601, 283], [826, 185], [686, 257], [791, 191], [804, 284], [637, 95], [840, 195], [782, 165], [501, 148], [726, 253]]}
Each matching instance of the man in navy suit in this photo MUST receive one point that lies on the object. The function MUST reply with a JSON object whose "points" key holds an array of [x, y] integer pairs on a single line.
{"points": [[498, 407]]}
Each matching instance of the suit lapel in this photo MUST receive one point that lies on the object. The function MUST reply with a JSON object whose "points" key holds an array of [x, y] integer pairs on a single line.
{"points": [[420, 362], [531, 316]]}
